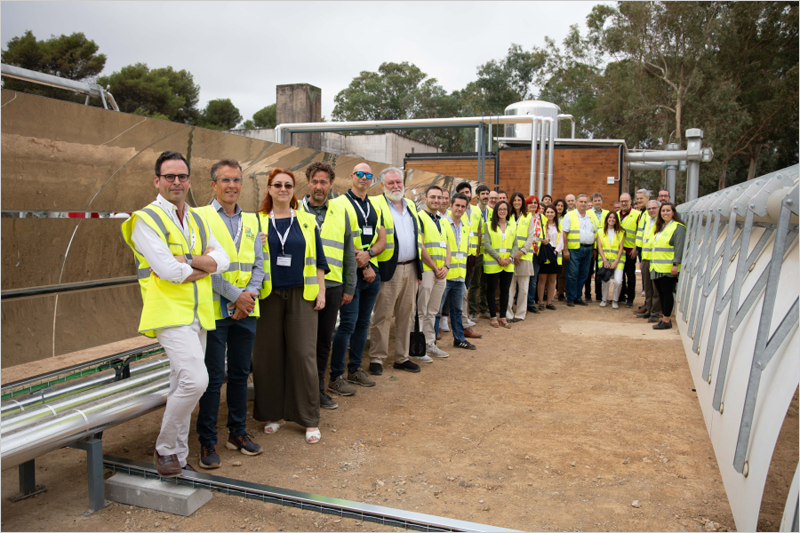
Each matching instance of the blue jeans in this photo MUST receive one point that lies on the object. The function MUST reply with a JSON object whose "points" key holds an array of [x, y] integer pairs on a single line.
{"points": [[238, 336], [354, 319], [533, 283], [578, 271], [455, 290]]}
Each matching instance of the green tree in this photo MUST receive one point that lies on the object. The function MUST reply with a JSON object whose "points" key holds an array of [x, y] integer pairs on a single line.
{"points": [[265, 117], [68, 56], [160, 93], [220, 114]]}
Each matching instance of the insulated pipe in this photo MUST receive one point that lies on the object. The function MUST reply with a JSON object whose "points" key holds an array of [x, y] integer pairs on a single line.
{"points": [[659, 156], [72, 387], [532, 183], [551, 145], [559, 118], [694, 145], [650, 165], [50, 434], [476, 139], [542, 147], [48, 410], [672, 171]]}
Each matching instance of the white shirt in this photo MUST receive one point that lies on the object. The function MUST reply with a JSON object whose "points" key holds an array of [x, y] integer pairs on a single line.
{"points": [[159, 256], [403, 232], [587, 227]]}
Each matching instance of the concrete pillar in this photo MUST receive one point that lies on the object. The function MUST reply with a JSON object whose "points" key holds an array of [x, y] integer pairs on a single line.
{"points": [[299, 102]]}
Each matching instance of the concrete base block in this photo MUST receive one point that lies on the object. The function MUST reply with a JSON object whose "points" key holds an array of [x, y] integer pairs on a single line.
{"points": [[154, 494]]}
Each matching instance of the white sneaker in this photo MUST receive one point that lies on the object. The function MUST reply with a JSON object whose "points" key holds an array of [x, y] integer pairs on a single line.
{"points": [[485, 315], [603, 303], [443, 325], [423, 359], [469, 323], [615, 305], [436, 352], [473, 316]]}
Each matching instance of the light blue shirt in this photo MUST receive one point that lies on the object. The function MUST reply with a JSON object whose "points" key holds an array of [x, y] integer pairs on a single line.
{"points": [[403, 232]]}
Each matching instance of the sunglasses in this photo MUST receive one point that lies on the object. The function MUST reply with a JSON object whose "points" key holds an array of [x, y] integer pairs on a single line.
{"points": [[361, 175], [287, 186]]}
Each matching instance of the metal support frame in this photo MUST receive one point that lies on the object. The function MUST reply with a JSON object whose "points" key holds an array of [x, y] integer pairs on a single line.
{"points": [[89, 89], [93, 446], [27, 482]]}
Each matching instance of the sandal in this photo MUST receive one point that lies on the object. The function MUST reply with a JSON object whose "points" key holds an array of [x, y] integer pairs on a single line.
{"points": [[504, 323], [313, 437], [273, 427], [493, 323]]}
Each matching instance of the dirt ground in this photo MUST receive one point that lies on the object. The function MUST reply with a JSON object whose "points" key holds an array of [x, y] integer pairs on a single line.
{"points": [[558, 424]]}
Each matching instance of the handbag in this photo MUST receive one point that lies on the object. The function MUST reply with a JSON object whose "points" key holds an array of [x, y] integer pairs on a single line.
{"points": [[416, 345], [546, 252], [605, 274]]}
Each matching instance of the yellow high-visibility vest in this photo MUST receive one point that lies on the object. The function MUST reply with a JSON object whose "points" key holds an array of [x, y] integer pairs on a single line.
{"points": [[310, 282], [572, 218], [169, 304], [501, 246], [523, 223], [458, 254], [629, 224], [242, 260], [433, 240], [647, 238], [332, 236], [358, 241], [611, 248], [663, 253], [477, 226], [381, 204]]}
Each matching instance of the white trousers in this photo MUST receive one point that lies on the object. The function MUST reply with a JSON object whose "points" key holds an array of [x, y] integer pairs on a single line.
{"points": [[523, 282], [188, 379], [429, 301], [617, 285]]}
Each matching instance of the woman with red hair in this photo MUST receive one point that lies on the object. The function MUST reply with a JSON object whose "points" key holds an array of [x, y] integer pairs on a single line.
{"points": [[285, 354]]}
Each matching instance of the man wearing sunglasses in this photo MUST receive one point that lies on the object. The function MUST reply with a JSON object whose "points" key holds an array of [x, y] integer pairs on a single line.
{"points": [[354, 317], [175, 253]]}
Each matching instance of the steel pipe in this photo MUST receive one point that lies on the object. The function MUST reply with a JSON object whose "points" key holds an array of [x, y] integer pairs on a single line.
{"points": [[532, 183], [48, 395], [542, 147], [559, 118], [31, 441], [551, 145]]}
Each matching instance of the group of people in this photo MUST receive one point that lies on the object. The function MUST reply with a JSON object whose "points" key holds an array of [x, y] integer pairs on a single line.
{"points": [[265, 290]]}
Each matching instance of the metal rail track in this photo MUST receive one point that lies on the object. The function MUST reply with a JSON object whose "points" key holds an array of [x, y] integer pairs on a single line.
{"points": [[301, 500]]}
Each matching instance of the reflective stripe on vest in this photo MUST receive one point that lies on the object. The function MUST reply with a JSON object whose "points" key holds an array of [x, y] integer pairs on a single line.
{"points": [[629, 224], [647, 240], [241, 268], [458, 254], [523, 225], [610, 249], [167, 304], [310, 282], [502, 247], [332, 237], [344, 201], [662, 253], [574, 231], [381, 204], [433, 241]]}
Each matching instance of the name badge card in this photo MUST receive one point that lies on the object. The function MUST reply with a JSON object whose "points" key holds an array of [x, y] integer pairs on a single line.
{"points": [[367, 231], [284, 260]]}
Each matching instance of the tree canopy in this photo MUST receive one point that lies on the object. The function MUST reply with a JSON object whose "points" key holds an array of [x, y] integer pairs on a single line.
{"points": [[220, 114], [265, 117]]}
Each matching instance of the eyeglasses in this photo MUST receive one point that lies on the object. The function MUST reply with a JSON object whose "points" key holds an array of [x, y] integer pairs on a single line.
{"points": [[287, 186], [183, 178], [360, 175], [228, 181]]}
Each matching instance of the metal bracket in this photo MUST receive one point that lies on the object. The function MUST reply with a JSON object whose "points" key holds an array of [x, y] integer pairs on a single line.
{"points": [[93, 446], [27, 482]]}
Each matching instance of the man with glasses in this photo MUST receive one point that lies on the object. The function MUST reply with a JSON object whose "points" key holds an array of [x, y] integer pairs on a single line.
{"points": [[354, 317], [175, 253], [628, 219], [652, 304], [663, 196], [336, 231], [478, 286], [236, 310], [469, 216]]}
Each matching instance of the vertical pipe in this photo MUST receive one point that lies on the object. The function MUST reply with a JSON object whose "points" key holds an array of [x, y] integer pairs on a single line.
{"points": [[541, 156], [672, 171], [532, 187], [476, 139], [480, 153], [550, 154], [694, 147]]}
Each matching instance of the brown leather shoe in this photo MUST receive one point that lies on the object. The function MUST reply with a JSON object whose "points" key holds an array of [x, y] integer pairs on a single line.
{"points": [[469, 332], [167, 465], [642, 309], [439, 335]]}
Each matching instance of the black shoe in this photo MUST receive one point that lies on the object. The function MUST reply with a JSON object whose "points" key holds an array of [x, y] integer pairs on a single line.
{"points": [[570, 304], [533, 309], [407, 366], [551, 307], [629, 304], [643, 315], [209, 458], [465, 344], [663, 325], [326, 402], [580, 302], [588, 299], [562, 298], [243, 443], [376, 369]]}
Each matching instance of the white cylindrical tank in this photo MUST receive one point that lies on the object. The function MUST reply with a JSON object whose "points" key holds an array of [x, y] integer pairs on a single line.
{"points": [[539, 108]]}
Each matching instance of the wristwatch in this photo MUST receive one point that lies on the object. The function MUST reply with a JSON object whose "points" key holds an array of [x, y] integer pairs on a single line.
{"points": [[188, 259], [371, 253]]}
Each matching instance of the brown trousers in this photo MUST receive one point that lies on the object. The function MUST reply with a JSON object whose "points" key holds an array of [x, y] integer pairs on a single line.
{"points": [[285, 360]]}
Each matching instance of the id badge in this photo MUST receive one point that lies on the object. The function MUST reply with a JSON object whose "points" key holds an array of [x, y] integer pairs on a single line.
{"points": [[367, 231], [284, 260]]}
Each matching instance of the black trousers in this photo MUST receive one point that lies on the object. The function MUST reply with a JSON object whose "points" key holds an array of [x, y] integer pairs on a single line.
{"points": [[666, 293], [629, 279], [504, 278], [325, 327], [598, 284]]}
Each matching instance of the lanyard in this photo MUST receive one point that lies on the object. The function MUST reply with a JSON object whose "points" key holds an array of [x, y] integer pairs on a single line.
{"points": [[308, 210], [358, 205], [239, 230], [285, 236], [660, 232]]}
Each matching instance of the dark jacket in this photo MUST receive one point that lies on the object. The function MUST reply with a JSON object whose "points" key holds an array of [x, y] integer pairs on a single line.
{"points": [[386, 268]]}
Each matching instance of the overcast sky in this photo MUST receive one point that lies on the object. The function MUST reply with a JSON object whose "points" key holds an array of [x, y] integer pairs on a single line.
{"points": [[242, 50]]}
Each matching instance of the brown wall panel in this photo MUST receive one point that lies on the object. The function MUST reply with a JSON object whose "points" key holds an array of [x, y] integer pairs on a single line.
{"points": [[459, 168]]}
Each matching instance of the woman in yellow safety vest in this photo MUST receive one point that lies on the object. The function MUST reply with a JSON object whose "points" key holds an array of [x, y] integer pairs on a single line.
{"points": [[665, 259], [523, 259], [611, 255], [561, 285], [550, 269], [500, 246], [285, 354]]}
